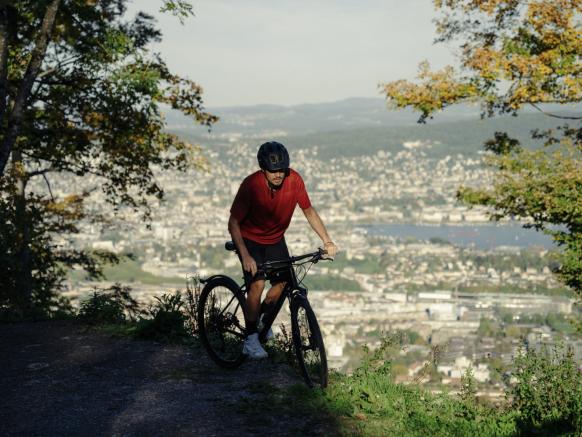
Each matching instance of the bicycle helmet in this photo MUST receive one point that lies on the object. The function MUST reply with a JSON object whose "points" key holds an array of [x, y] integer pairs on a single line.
{"points": [[273, 156]]}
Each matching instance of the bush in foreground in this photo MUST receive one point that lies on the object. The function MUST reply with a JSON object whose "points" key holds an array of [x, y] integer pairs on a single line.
{"points": [[547, 393], [110, 305], [172, 316], [544, 398]]}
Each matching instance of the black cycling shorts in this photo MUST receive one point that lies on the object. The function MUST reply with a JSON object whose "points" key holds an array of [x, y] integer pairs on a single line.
{"points": [[264, 252]]}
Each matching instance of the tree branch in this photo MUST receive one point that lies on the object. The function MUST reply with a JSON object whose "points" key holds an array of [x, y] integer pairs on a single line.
{"points": [[59, 66], [27, 82], [563, 117], [48, 185], [44, 171]]}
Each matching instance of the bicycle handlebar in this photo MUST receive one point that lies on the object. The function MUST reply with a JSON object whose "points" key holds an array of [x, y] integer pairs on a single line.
{"points": [[315, 257]]}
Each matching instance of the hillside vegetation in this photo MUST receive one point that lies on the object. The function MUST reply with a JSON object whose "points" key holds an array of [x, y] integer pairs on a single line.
{"points": [[544, 394]]}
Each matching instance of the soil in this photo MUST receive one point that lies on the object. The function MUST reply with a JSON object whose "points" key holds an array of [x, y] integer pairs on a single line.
{"points": [[63, 378]]}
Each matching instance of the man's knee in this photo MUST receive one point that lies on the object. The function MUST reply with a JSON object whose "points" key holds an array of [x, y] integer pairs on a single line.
{"points": [[274, 292], [279, 286], [257, 287]]}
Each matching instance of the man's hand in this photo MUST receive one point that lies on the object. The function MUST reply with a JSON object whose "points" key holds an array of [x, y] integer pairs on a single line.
{"points": [[249, 264], [330, 248]]}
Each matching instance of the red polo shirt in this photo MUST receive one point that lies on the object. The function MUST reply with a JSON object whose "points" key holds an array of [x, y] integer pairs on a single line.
{"points": [[264, 214]]}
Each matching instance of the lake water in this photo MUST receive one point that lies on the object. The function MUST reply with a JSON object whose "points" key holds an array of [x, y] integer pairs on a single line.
{"points": [[486, 236]]}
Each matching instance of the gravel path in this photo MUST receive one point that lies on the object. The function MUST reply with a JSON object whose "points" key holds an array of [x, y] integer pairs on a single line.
{"points": [[59, 378]]}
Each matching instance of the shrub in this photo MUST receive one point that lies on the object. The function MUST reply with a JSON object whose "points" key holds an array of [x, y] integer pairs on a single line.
{"points": [[111, 305], [192, 299], [548, 390], [468, 386], [166, 321], [281, 349]]}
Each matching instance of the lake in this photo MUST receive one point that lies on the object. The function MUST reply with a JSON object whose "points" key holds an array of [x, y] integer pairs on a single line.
{"points": [[485, 236]]}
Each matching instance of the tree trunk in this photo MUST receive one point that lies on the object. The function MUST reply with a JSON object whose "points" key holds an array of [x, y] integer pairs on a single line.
{"points": [[27, 81], [3, 60], [23, 278]]}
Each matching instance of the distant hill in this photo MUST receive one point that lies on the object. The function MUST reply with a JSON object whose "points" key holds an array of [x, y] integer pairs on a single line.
{"points": [[361, 126], [310, 118], [448, 138]]}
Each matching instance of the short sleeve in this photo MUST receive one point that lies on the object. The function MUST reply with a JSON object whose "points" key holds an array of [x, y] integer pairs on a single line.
{"points": [[302, 196], [241, 205]]}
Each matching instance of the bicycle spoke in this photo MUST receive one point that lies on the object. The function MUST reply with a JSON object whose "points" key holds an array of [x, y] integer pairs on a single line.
{"points": [[309, 345], [222, 319]]}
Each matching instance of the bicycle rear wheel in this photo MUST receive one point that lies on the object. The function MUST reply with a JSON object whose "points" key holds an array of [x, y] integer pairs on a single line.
{"points": [[308, 343], [221, 322]]}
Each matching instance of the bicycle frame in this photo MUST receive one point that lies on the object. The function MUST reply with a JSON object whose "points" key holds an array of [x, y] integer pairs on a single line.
{"points": [[292, 289]]}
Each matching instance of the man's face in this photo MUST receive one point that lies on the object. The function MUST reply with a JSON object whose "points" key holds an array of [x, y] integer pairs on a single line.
{"points": [[275, 178]]}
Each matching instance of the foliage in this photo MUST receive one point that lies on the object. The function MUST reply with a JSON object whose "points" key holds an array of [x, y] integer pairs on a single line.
{"points": [[545, 188], [512, 53], [164, 320], [193, 290], [545, 399], [172, 316], [548, 391], [48, 261], [488, 328], [129, 270], [281, 349], [111, 305], [557, 321], [93, 109], [468, 386], [179, 8], [515, 53], [331, 282], [368, 402]]}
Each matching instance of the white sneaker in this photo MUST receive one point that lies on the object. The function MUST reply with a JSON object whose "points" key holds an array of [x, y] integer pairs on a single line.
{"points": [[260, 328], [253, 348]]}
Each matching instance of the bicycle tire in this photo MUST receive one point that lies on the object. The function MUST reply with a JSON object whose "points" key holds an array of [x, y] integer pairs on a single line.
{"points": [[308, 343], [221, 322]]}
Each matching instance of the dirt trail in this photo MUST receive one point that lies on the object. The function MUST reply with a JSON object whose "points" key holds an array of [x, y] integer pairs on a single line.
{"points": [[59, 378]]}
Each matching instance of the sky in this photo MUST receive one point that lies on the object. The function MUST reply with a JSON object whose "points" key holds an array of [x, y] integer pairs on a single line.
{"points": [[288, 52]]}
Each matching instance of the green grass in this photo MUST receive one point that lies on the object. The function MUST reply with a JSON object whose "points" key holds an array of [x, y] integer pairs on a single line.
{"points": [[372, 405], [331, 282], [130, 271], [545, 400]]}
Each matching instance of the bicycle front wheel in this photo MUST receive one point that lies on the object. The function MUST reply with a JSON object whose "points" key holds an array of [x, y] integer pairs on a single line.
{"points": [[308, 343], [221, 322]]}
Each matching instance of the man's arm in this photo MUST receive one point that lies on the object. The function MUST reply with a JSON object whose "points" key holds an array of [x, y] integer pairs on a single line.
{"points": [[315, 222], [248, 261]]}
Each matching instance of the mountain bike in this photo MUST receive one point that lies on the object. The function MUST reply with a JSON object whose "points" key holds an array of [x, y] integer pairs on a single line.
{"points": [[221, 321]]}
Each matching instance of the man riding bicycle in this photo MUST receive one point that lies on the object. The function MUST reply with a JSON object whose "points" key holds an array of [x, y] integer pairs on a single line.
{"points": [[260, 214]]}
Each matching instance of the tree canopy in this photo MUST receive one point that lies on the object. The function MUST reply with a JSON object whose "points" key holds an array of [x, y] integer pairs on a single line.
{"points": [[514, 53], [82, 93], [511, 53]]}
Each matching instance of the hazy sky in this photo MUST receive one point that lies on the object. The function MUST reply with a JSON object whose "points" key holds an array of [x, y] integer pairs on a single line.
{"points": [[246, 52]]}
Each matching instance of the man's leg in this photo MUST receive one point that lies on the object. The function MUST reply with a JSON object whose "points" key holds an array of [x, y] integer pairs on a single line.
{"points": [[253, 305], [275, 251], [271, 298], [274, 293], [252, 345]]}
